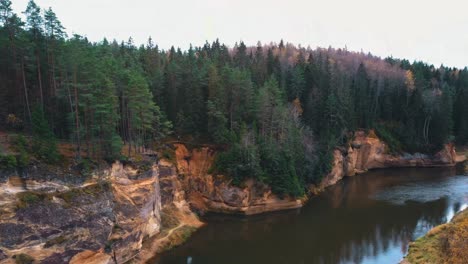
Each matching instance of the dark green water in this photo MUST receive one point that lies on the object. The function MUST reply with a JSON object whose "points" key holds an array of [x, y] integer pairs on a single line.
{"points": [[369, 218]]}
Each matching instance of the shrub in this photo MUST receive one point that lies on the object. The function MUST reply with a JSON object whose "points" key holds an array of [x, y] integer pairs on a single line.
{"points": [[168, 153], [22, 159], [27, 199], [323, 166], [240, 163], [23, 259], [86, 166], [44, 145], [55, 241], [7, 162], [385, 133], [20, 143]]}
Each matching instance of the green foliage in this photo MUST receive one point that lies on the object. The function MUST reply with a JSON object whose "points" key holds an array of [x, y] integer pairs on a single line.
{"points": [[44, 144], [324, 165], [107, 95], [55, 241], [23, 259], [217, 124], [26, 199], [7, 162], [240, 162], [297, 83], [167, 152], [21, 146], [93, 190], [86, 166], [273, 152], [385, 133], [22, 160], [280, 170], [70, 195], [20, 143]]}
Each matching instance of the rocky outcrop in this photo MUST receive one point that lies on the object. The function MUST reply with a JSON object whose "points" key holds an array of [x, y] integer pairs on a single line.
{"points": [[124, 213], [177, 219], [215, 193], [367, 152], [101, 221]]}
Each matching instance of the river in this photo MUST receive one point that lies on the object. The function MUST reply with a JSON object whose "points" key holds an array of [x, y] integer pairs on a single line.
{"points": [[369, 218]]}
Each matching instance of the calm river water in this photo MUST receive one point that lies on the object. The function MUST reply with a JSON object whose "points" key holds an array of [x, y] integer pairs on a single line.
{"points": [[369, 218]]}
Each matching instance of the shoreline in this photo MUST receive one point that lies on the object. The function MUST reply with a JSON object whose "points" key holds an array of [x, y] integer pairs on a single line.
{"points": [[304, 201], [179, 187], [445, 243]]}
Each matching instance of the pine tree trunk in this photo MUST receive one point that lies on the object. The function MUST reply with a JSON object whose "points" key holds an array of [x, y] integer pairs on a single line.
{"points": [[17, 88], [40, 81], [86, 117], [77, 118], [70, 102], [91, 125], [129, 128], [25, 90]]}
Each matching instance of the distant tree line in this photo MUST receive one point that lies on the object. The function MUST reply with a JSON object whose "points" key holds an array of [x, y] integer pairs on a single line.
{"points": [[277, 110]]}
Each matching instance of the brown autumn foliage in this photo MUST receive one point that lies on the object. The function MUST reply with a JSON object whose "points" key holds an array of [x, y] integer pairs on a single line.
{"points": [[456, 239], [444, 244]]}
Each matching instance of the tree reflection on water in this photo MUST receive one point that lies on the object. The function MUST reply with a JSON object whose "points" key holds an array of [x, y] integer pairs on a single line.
{"points": [[369, 218]]}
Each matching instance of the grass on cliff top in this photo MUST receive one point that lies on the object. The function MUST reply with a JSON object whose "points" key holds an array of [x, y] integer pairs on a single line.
{"points": [[447, 243]]}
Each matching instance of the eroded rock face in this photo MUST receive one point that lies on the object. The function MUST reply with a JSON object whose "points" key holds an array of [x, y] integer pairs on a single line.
{"points": [[96, 222], [108, 221], [137, 208], [369, 152], [177, 216], [215, 192]]}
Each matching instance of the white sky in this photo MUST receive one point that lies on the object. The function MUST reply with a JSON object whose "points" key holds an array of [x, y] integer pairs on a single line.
{"points": [[428, 30]]}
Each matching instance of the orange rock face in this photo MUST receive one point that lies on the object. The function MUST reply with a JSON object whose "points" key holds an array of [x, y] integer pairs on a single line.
{"points": [[93, 222], [216, 193], [369, 152]]}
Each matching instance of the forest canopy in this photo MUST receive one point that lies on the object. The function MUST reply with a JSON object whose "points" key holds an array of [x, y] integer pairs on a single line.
{"points": [[277, 110]]}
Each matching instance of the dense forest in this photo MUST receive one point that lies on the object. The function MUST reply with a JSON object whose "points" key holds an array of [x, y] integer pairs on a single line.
{"points": [[276, 111]]}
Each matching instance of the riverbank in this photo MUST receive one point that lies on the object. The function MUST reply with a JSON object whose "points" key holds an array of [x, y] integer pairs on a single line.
{"points": [[129, 212], [373, 217], [447, 243], [215, 193]]}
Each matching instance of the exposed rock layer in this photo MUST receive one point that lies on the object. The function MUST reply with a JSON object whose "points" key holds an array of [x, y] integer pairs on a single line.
{"points": [[105, 221], [133, 214], [216, 194], [369, 152]]}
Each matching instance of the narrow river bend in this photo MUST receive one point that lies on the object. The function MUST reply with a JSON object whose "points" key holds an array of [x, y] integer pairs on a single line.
{"points": [[369, 218]]}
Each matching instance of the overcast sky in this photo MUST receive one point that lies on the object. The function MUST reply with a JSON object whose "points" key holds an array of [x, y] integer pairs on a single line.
{"points": [[428, 30]]}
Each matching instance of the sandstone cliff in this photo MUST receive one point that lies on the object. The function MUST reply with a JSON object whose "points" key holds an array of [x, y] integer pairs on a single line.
{"points": [[215, 193], [367, 152], [207, 192], [94, 222], [124, 213]]}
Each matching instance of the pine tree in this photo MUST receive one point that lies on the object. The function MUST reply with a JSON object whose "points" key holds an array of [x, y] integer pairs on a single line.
{"points": [[362, 100], [54, 32], [34, 22], [297, 83], [6, 12]]}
